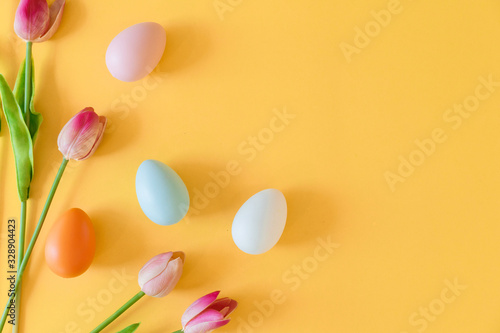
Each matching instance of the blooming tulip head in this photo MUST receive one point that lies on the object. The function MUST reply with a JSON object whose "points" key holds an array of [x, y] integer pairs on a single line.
{"points": [[160, 274], [208, 313], [81, 135], [35, 21]]}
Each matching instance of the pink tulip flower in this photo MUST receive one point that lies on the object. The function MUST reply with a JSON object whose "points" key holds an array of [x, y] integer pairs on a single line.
{"points": [[159, 275], [207, 313], [35, 21], [81, 135]]}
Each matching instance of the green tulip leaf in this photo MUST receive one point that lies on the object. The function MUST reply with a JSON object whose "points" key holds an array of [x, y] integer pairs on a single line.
{"points": [[20, 137], [35, 117], [130, 329]]}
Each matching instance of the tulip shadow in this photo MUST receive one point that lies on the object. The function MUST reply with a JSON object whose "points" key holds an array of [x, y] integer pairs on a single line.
{"points": [[11, 55], [74, 16], [121, 128], [200, 270], [117, 241], [8, 56], [47, 87], [310, 215], [4, 138], [247, 300], [186, 45], [191, 274], [45, 153], [63, 200]]}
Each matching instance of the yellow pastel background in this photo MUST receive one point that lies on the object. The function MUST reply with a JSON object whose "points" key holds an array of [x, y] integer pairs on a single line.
{"points": [[389, 160]]}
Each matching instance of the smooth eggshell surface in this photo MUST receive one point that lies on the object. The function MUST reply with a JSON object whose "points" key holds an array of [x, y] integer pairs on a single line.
{"points": [[259, 223], [162, 194], [70, 244], [136, 51]]}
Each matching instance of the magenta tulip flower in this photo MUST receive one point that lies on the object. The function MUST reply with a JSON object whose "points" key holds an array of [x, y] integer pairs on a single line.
{"points": [[35, 21], [207, 313], [159, 275], [81, 135]]}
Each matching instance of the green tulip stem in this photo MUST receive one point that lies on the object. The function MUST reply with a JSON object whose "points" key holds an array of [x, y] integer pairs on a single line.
{"points": [[27, 85], [20, 255], [179, 331], [33, 240], [118, 312], [22, 222]]}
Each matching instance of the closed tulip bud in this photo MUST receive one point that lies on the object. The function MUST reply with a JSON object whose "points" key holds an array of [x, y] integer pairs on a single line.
{"points": [[207, 313], [159, 275], [81, 135], [157, 278], [35, 21]]}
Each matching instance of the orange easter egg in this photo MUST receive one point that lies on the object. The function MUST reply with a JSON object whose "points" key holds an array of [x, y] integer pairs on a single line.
{"points": [[70, 245]]}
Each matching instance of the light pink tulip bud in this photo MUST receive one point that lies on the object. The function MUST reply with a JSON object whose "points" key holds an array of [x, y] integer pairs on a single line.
{"points": [[35, 21], [208, 313], [160, 274], [81, 135]]}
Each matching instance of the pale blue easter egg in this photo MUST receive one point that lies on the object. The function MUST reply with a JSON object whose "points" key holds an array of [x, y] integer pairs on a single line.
{"points": [[162, 194]]}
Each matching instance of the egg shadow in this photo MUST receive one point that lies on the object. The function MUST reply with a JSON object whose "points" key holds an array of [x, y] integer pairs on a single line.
{"points": [[117, 241], [196, 176], [310, 215], [186, 45]]}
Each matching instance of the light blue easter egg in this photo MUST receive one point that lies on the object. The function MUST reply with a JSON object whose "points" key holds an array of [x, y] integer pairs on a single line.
{"points": [[162, 194]]}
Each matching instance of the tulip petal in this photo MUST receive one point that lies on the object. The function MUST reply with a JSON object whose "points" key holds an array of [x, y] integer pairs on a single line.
{"points": [[206, 326], [224, 305], [198, 306], [207, 315], [32, 19], [78, 136], [100, 133], [172, 275], [164, 283], [154, 267], [224, 312], [56, 13]]}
